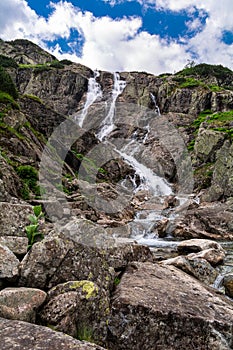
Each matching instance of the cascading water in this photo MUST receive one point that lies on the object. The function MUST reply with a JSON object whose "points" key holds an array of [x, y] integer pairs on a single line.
{"points": [[149, 182], [107, 124], [94, 93]]}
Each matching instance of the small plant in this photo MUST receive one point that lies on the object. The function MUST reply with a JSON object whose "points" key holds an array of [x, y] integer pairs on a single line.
{"points": [[32, 230]]}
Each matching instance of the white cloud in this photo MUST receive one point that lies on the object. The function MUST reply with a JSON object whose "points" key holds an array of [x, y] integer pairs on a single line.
{"points": [[121, 44]]}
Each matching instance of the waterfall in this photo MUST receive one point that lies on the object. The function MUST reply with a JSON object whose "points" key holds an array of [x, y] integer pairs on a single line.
{"points": [[153, 99], [94, 92], [148, 179], [108, 122]]}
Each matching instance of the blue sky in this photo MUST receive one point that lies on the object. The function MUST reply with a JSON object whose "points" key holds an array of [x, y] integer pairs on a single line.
{"points": [[156, 36]]}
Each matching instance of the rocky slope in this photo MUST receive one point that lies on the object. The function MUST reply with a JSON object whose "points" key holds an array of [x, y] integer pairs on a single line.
{"points": [[75, 276]]}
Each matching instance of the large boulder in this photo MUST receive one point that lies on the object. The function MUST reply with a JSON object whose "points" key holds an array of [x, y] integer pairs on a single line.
{"points": [[161, 307], [79, 309], [208, 221], [26, 336]]}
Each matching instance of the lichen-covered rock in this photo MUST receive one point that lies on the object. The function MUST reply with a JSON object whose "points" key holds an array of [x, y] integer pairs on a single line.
{"points": [[77, 308], [21, 335], [157, 306], [197, 267], [59, 259], [14, 218], [207, 143], [9, 265], [21, 303], [222, 182]]}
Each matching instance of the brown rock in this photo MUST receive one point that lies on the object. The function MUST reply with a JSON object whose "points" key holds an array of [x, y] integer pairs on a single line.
{"points": [[228, 285], [21, 303], [26, 336], [197, 245], [158, 307]]}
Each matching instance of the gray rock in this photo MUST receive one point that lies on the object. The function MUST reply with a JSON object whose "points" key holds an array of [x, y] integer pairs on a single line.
{"points": [[21, 335], [18, 245], [21, 303], [14, 218], [158, 307], [207, 143], [197, 267], [9, 265]]}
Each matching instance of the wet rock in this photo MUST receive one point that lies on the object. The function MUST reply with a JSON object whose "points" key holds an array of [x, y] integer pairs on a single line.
{"points": [[9, 265], [21, 303], [197, 245], [228, 285], [213, 256], [158, 306], [25, 336], [77, 308]]}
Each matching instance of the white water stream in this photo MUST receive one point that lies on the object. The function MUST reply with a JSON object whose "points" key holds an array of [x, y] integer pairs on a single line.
{"points": [[107, 124], [94, 93]]}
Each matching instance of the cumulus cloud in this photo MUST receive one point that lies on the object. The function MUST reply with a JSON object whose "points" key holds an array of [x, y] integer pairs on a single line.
{"points": [[121, 44]]}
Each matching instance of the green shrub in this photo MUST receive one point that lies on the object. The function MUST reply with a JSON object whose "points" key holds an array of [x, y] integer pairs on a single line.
{"points": [[6, 83], [57, 64], [7, 62], [66, 62], [190, 83], [29, 176], [207, 70]]}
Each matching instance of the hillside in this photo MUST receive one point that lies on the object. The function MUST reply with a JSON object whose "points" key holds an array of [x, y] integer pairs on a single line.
{"points": [[115, 157]]}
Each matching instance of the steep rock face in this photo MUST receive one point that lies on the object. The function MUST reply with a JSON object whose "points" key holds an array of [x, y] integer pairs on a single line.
{"points": [[61, 89]]}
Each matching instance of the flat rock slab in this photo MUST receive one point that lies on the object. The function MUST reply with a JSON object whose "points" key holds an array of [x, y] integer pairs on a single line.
{"points": [[19, 335], [161, 307]]}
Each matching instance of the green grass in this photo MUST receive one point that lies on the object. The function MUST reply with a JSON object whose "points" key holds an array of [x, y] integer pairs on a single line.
{"points": [[34, 98], [7, 128], [190, 83], [8, 99]]}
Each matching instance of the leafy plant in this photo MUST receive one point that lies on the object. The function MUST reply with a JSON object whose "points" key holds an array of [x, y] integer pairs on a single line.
{"points": [[32, 230]]}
